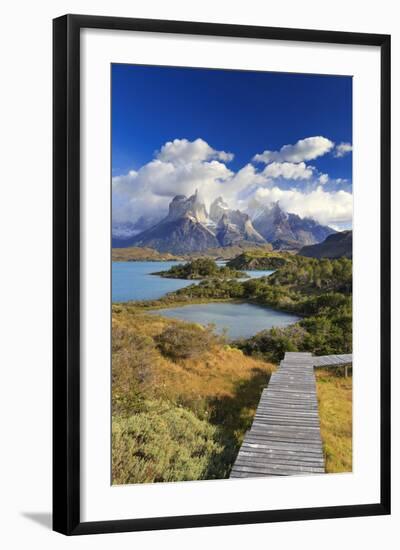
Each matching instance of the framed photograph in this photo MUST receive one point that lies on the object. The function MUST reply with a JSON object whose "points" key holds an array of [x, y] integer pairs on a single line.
{"points": [[221, 262]]}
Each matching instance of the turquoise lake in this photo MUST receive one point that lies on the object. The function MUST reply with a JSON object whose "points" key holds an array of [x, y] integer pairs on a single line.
{"points": [[133, 281], [237, 320]]}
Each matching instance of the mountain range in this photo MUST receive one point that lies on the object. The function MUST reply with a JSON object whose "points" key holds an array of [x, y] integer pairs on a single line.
{"points": [[188, 227]]}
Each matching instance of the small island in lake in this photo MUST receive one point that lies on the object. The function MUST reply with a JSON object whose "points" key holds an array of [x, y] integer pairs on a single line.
{"points": [[202, 268], [259, 260]]}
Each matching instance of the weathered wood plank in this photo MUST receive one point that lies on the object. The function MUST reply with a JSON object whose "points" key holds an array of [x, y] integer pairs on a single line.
{"points": [[332, 360], [285, 438], [284, 469], [285, 447], [281, 458], [285, 435]]}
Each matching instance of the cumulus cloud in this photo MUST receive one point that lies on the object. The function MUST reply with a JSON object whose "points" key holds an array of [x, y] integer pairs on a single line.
{"points": [[182, 151], [342, 149], [179, 168], [182, 166], [288, 170], [305, 149], [326, 207]]}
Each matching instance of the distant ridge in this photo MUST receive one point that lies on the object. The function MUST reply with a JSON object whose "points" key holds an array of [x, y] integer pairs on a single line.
{"points": [[339, 245], [286, 231]]}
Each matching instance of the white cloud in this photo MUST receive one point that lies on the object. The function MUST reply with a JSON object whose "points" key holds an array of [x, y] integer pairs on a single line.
{"points": [[305, 149], [288, 171], [151, 188], [325, 207], [181, 151], [242, 184], [181, 167], [342, 149]]}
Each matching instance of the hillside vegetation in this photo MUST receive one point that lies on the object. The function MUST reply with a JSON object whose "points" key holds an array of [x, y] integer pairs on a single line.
{"points": [[146, 254], [139, 254], [318, 290], [182, 399]]}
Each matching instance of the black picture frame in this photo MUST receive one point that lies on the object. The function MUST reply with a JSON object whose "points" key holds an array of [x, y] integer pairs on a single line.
{"points": [[66, 273]]}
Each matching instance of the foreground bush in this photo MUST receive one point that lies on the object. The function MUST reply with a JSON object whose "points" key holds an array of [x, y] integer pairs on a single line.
{"points": [[273, 343], [163, 443], [186, 341], [134, 358]]}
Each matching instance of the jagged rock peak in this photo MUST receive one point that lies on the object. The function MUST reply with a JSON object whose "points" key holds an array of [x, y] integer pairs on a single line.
{"points": [[192, 206], [218, 208], [288, 230]]}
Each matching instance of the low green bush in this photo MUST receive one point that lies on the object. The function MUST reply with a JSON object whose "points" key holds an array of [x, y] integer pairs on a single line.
{"points": [[162, 443]]}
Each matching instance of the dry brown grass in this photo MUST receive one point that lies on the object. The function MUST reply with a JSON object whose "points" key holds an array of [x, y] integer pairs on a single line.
{"points": [[216, 374], [134, 253], [335, 407], [219, 386]]}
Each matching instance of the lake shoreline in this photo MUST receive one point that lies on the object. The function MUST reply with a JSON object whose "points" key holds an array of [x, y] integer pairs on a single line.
{"points": [[236, 320], [140, 281], [160, 307], [147, 305]]}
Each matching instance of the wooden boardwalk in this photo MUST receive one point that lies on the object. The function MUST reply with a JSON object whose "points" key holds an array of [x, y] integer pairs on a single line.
{"points": [[285, 438], [333, 360]]}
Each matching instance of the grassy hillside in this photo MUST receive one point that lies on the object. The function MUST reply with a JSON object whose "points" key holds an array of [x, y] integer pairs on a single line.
{"points": [[230, 252], [182, 399], [335, 408], [141, 254], [136, 254]]}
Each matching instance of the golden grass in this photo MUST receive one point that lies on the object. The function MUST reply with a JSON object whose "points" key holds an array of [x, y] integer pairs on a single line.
{"points": [[134, 253], [335, 407], [222, 384], [222, 387]]}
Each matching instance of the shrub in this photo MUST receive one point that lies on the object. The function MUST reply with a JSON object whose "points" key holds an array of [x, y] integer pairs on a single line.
{"points": [[273, 343], [163, 443], [186, 341], [202, 268], [133, 359]]}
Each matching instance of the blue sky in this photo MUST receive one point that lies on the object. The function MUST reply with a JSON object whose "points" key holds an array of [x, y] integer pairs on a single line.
{"points": [[243, 113]]}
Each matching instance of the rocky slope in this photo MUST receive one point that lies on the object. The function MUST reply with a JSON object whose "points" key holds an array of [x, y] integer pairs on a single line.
{"points": [[286, 230], [188, 228], [233, 226], [335, 246]]}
